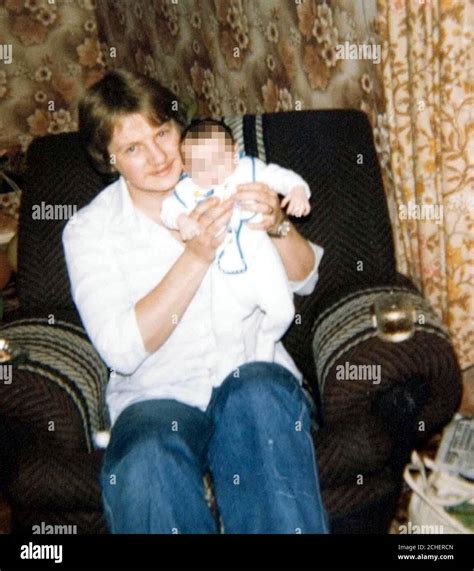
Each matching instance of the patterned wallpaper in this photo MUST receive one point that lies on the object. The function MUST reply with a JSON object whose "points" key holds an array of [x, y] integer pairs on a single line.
{"points": [[242, 56], [232, 56], [55, 54]]}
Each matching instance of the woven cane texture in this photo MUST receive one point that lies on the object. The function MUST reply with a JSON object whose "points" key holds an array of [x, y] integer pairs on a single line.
{"points": [[33, 407], [367, 426], [360, 493], [50, 478], [345, 451], [425, 366]]}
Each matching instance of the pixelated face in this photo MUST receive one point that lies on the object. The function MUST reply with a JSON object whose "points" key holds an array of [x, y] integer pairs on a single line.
{"points": [[209, 160], [146, 155]]}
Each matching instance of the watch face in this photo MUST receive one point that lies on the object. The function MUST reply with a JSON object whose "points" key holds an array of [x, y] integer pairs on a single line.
{"points": [[284, 228]]}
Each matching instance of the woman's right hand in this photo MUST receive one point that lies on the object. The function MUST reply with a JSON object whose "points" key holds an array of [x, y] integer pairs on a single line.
{"points": [[213, 217]]}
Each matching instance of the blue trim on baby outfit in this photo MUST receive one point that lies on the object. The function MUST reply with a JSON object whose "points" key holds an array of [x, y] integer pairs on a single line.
{"points": [[237, 241], [237, 232], [209, 193], [179, 198]]}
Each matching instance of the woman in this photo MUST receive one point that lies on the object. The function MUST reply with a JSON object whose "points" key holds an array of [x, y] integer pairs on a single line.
{"points": [[143, 296]]}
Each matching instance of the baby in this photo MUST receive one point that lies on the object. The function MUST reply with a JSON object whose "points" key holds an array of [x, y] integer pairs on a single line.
{"points": [[214, 166], [248, 281]]}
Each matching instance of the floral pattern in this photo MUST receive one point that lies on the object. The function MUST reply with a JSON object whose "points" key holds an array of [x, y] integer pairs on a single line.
{"points": [[428, 127], [241, 56], [55, 55]]}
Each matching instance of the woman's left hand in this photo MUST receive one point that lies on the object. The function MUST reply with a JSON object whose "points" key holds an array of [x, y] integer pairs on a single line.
{"points": [[259, 197]]}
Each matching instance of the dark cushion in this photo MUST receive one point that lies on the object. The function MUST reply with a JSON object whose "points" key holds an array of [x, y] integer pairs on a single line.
{"points": [[59, 172], [349, 216]]}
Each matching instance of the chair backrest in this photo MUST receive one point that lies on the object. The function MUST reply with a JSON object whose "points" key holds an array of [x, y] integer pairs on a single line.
{"points": [[334, 152], [332, 149], [58, 173]]}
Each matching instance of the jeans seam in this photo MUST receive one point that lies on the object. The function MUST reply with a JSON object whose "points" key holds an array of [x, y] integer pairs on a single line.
{"points": [[308, 434], [108, 512], [322, 515]]}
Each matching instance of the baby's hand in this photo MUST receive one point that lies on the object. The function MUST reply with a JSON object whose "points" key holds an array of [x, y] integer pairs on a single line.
{"points": [[298, 203], [188, 227]]}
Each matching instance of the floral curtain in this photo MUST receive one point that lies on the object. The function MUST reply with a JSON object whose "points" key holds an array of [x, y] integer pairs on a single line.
{"points": [[428, 83]]}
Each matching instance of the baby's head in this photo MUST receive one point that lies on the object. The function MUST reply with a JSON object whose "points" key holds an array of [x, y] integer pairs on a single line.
{"points": [[209, 152]]}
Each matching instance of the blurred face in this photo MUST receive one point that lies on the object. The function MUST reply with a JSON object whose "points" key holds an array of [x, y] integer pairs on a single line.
{"points": [[146, 155], [209, 160]]}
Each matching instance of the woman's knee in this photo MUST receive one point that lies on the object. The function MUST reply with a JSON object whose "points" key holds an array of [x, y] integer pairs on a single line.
{"points": [[139, 452], [265, 395], [266, 371], [154, 456], [263, 385], [154, 445], [264, 379]]}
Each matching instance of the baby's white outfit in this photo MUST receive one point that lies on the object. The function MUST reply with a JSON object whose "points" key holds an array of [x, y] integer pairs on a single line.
{"points": [[251, 274], [231, 256]]}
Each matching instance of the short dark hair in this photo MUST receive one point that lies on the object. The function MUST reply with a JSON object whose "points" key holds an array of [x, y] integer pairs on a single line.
{"points": [[201, 128], [117, 94]]}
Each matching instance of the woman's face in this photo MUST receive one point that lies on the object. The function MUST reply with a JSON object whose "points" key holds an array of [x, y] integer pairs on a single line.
{"points": [[146, 155]]}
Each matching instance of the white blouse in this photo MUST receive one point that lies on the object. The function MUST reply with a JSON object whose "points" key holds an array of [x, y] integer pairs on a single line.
{"points": [[116, 255]]}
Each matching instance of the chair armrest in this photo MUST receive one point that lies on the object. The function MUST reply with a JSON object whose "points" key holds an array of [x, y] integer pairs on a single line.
{"points": [[60, 385], [419, 384], [40, 473]]}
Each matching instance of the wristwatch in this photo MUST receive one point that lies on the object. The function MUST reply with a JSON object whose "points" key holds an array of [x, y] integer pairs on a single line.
{"points": [[282, 229]]}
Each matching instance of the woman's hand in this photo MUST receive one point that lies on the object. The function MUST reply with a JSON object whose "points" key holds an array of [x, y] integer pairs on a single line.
{"points": [[213, 217], [261, 198], [295, 252]]}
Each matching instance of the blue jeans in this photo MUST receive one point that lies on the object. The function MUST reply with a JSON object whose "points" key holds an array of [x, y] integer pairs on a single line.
{"points": [[254, 438]]}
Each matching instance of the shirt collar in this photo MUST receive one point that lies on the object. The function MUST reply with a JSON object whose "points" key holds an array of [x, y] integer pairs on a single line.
{"points": [[127, 216]]}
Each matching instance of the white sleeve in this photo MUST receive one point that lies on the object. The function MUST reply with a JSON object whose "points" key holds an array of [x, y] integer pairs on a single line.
{"points": [[306, 286], [280, 179], [274, 297], [170, 210], [99, 290]]}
